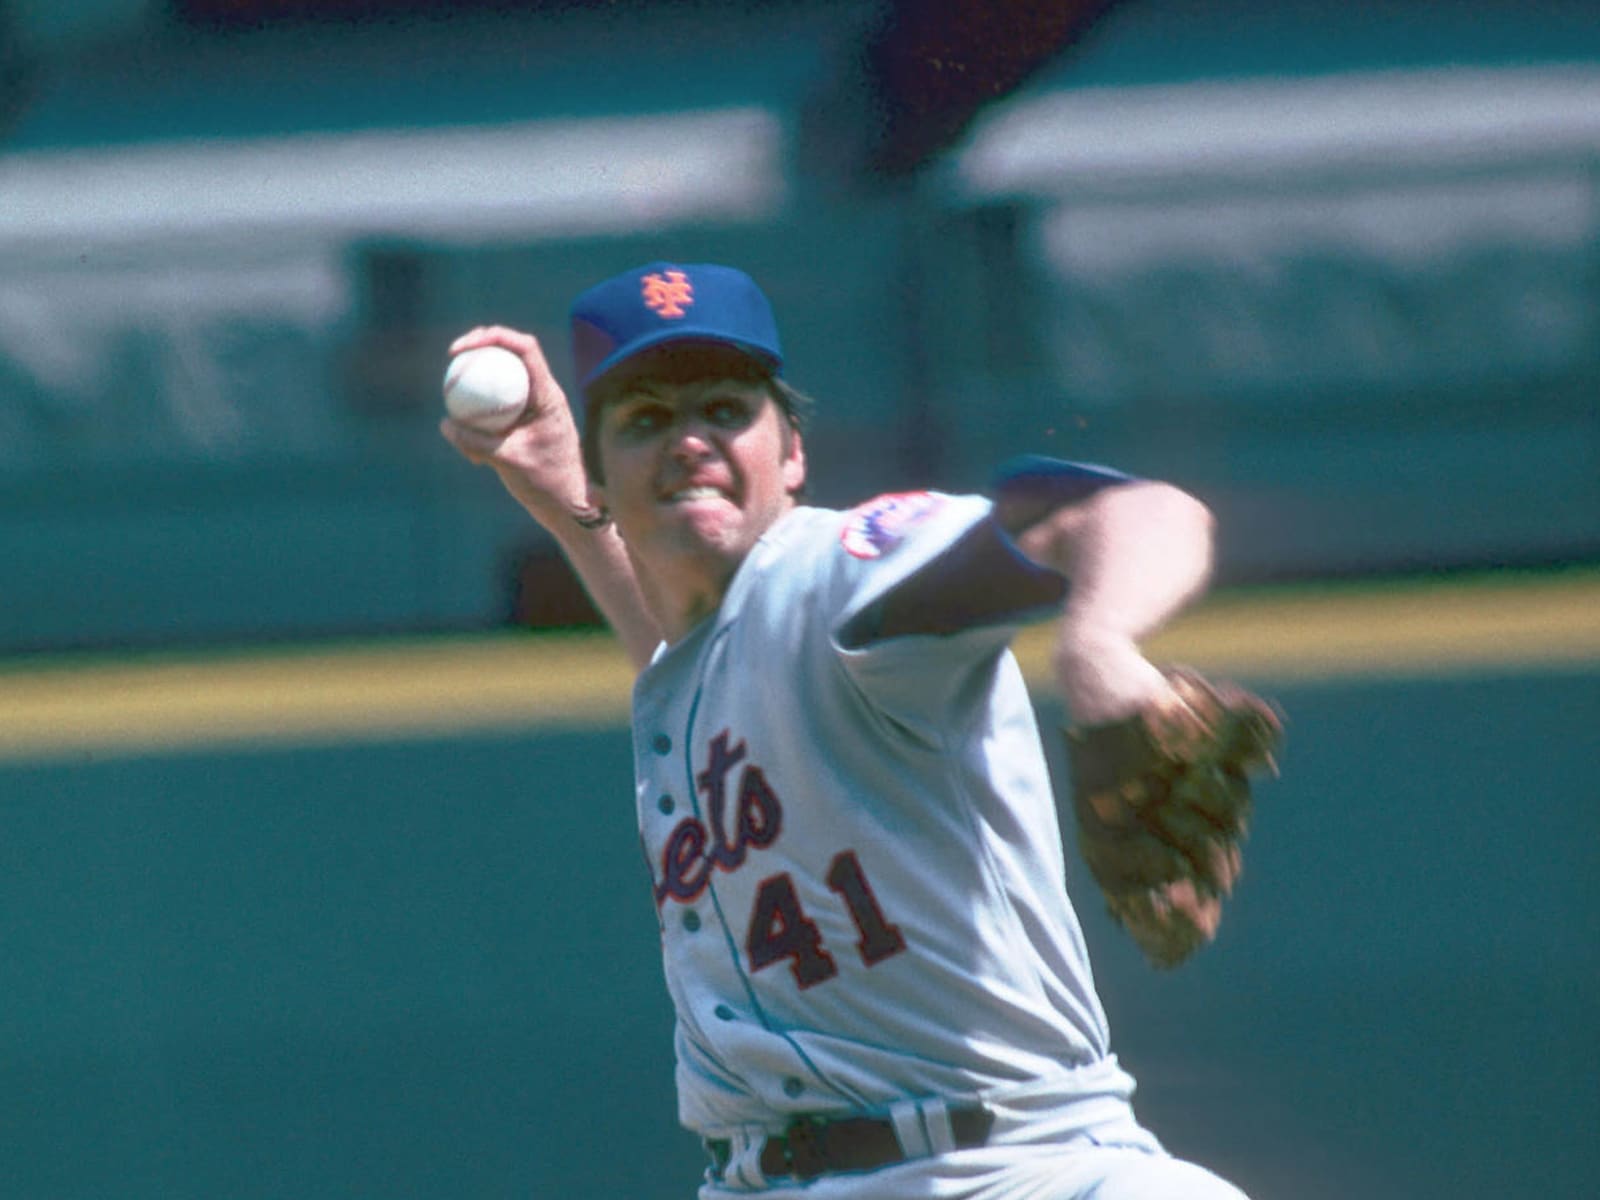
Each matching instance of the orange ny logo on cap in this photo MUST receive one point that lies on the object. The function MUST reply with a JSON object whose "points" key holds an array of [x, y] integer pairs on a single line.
{"points": [[669, 294]]}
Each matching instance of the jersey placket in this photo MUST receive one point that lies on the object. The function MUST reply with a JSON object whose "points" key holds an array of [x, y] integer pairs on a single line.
{"points": [[717, 998]]}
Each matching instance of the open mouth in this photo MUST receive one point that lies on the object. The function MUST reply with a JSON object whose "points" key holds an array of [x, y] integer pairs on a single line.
{"points": [[685, 495]]}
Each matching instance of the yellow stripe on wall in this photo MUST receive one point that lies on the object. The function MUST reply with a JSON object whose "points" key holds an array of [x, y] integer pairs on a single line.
{"points": [[1427, 629], [310, 697], [66, 707]]}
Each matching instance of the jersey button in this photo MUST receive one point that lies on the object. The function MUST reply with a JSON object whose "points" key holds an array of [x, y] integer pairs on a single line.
{"points": [[665, 803], [661, 744], [792, 1086], [724, 1013], [691, 920]]}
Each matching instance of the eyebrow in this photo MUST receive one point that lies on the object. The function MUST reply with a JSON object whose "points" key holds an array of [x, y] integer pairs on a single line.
{"points": [[650, 390]]}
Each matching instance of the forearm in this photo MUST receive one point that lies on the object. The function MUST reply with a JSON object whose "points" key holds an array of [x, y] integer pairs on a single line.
{"points": [[601, 562], [559, 501], [540, 462], [1135, 555]]}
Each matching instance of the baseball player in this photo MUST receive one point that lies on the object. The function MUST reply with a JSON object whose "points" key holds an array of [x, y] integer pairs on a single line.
{"points": [[881, 988]]}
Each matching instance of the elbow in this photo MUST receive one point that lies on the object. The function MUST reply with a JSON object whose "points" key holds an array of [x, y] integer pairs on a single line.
{"points": [[1152, 506], [1180, 508], [1170, 531], [1158, 517], [1184, 523]]}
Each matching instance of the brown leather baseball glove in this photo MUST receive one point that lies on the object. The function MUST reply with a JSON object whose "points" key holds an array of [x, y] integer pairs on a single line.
{"points": [[1162, 800]]}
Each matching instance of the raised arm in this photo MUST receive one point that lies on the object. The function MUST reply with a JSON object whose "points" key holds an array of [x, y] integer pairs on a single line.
{"points": [[1135, 553], [1126, 554], [1159, 761], [540, 463]]}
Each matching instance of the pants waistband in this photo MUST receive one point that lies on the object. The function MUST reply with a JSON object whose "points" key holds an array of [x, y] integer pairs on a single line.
{"points": [[813, 1145]]}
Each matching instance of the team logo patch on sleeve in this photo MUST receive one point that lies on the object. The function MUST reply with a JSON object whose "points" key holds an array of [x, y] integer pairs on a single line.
{"points": [[873, 529]]}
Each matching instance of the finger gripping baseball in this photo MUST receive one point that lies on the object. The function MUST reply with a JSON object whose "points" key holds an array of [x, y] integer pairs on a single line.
{"points": [[1163, 802]]}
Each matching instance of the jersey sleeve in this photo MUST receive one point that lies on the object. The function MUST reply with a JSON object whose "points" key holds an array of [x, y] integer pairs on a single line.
{"points": [[968, 572], [1027, 487], [956, 579], [915, 680], [941, 588]]}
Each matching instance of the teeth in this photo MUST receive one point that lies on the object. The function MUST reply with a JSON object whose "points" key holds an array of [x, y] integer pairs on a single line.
{"points": [[696, 493]]}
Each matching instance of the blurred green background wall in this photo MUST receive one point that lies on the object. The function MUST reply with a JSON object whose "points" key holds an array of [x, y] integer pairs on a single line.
{"points": [[428, 967]]}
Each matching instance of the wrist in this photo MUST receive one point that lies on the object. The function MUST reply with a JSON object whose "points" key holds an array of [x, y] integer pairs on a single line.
{"points": [[1103, 676], [591, 517], [566, 520], [558, 511]]}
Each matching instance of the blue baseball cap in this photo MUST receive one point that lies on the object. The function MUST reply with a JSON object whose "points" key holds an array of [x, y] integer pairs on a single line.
{"points": [[665, 302]]}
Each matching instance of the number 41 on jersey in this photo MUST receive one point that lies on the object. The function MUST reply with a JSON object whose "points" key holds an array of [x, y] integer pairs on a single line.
{"points": [[780, 929]]}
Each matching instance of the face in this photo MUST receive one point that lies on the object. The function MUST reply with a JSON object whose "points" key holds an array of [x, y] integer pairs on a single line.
{"points": [[696, 471]]}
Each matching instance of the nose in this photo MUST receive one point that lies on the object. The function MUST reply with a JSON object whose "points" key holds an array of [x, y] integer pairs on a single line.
{"points": [[690, 439]]}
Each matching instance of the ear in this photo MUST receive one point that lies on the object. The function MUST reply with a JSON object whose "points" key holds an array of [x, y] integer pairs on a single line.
{"points": [[794, 463]]}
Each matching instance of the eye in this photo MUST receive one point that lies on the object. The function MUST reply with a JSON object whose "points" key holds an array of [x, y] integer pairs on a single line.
{"points": [[640, 420], [729, 412]]}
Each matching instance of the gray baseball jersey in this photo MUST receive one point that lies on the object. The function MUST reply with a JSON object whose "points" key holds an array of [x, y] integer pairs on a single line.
{"points": [[852, 837]]}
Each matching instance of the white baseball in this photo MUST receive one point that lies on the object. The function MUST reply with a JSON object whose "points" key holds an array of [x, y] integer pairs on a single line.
{"points": [[486, 388]]}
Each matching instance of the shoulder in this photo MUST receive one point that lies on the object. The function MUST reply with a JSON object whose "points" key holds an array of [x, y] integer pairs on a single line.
{"points": [[878, 527], [873, 537], [832, 557]]}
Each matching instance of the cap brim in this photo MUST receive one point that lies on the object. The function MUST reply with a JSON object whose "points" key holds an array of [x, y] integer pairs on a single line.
{"points": [[679, 333]]}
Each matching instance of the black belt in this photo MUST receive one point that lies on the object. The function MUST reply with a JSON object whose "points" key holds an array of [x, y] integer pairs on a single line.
{"points": [[811, 1146]]}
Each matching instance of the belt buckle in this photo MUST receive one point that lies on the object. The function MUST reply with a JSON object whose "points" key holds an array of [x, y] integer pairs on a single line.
{"points": [[803, 1154]]}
